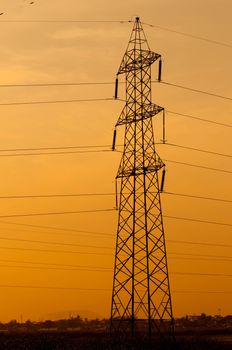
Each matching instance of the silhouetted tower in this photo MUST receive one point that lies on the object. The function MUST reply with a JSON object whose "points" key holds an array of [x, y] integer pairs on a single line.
{"points": [[141, 300]]}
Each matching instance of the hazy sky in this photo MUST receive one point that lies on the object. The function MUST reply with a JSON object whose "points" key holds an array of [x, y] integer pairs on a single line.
{"points": [[59, 52]]}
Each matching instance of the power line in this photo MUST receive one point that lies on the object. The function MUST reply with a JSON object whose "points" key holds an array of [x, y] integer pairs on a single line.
{"points": [[55, 268], [104, 151], [188, 35], [99, 289], [55, 264], [198, 166], [192, 257], [199, 256], [92, 269], [196, 90], [54, 153], [105, 247], [100, 146], [53, 243], [107, 151], [198, 197], [197, 220], [207, 274], [200, 243], [58, 84], [56, 251], [195, 257], [202, 274], [70, 267], [198, 150], [122, 22], [94, 99], [110, 235], [55, 228], [107, 234], [201, 292], [199, 118], [63, 21], [81, 233], [110, 210], [52, 148], [53, 288], [214, 257], [110, 254], [57, 213], [199, 259], [59, 195], [55, 101]]}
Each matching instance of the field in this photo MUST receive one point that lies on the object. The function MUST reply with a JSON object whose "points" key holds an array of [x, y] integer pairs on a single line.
{"points": [[92, 341]]}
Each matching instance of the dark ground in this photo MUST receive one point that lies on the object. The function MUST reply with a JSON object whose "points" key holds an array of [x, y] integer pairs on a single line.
{"points": [[90, 341]]}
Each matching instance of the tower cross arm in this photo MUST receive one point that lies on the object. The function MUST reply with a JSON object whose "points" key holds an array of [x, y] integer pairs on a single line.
{"points": [[136, 58], [142, 112]]}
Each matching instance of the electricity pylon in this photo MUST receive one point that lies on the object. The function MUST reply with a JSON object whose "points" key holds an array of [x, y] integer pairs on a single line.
{"points": [[141, 299]]}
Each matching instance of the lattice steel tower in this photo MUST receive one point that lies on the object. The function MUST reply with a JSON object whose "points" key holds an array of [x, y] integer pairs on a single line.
{"points": [[141, 300]]}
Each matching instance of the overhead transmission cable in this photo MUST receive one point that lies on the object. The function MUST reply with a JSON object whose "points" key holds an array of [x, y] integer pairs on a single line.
{"points": [[54, 243], [99, 289], [109, 254], [64, 195], [59, 213], [84, 147], [196, 90], [79, 233], [56, 251], [56, 268], [82, 233], [199, 118], [208, 274], [210, 256], [56, 101], [198, 166], [97, 83], [197, 220], [204, 257], [57, 84], [108, 210], [57, 195], [99, 253], [54, 264], [53, 228], [107, 151], [197, 197], [193, 36], [197, 149], [64, 21], [199, 259], [52, 148], [107, 247], [209, 244], [55, 153]]}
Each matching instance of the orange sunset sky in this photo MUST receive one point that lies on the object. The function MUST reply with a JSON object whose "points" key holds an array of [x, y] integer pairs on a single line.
{"points": [[36, 261]]}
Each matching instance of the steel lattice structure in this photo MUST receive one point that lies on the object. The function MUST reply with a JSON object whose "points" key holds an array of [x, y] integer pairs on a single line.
{"points": [[141, 299]]}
